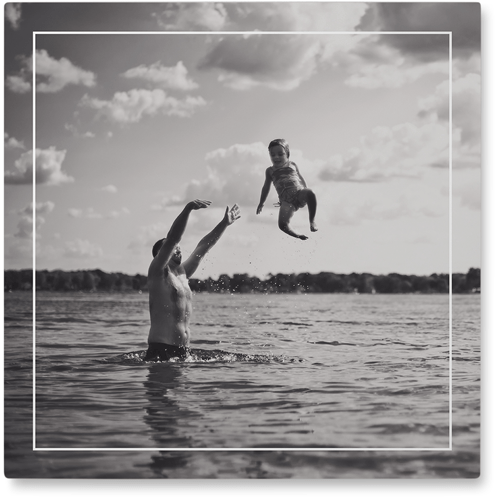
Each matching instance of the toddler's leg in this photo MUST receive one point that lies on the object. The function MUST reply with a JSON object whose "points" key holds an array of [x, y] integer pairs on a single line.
{"points": [[309, 197], [285, 215]]}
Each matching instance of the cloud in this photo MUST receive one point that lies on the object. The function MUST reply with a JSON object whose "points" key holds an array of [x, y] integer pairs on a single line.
{"points": [[371, 65], [48, 168], [295, 16], [463, 19], [174, 77], [60, 73], [74, 131], [25, 224], [82, 249], [52, 74], [278, 62], [406, 149], [234, 175], [373, 61], [278, 16], [110, 189], [25, 227], [467, 188], [13, 14], [18, 83], [196, 16], [88, 213], [41, 208], [466, 117], [388, 152], [283, 62], [114, 214], [12, 142], [146, 237], [409, 204], [132, 106]]}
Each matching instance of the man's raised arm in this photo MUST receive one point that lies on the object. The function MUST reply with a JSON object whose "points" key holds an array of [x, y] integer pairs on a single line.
{"points": [[177, 230], [207, 242]]}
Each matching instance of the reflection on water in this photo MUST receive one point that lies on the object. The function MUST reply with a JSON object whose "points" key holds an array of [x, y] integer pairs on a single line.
{"points": [[163, 414], [335, 371]]}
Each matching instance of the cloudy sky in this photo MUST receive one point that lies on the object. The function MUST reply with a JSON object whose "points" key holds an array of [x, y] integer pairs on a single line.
{"points": [[131, 126]]}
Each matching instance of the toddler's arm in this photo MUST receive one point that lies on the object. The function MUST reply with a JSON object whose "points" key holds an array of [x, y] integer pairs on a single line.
{"points": [[265, 191]]}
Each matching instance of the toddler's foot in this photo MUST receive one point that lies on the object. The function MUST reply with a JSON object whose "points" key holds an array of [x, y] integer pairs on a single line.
{"points": [[314, 227], [302, 237]]}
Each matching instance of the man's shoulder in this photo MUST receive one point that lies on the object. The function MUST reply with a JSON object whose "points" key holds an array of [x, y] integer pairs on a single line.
{"points": [[157, 270], [165, 274]]}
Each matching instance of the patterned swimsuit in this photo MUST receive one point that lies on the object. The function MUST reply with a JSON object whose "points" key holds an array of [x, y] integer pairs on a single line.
{"points": [[288, 184]]}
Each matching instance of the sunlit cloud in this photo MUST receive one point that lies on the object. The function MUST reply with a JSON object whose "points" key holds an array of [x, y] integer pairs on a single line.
{"points": [[19, 84], [48, 168], [44, 207], [60, 73], [372, 61], [110, 189], [274, 61], [388, 152], [463, 19], [52, 74], [25, 224], [114, 214], [88, 213], [147, 236], [195, 16], [13, 14], [132, 106], [12, 142], [234, 175], [174, 77], [261, 16], [406, 149], [466, 98], [372, 65], [76, 133], [82, 249], [467, 188]]}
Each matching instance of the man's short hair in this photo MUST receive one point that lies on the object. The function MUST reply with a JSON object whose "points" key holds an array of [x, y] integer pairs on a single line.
{"points": [[157, 246]]}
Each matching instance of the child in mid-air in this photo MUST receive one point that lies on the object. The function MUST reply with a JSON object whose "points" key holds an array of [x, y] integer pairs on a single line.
{"points": [[292, 190]]}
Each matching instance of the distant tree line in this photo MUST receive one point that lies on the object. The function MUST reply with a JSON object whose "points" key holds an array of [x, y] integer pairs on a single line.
{"points": [[324, 282]]}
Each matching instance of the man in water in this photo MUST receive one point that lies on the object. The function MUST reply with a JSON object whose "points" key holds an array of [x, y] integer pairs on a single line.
{"points": [[169, 293]]}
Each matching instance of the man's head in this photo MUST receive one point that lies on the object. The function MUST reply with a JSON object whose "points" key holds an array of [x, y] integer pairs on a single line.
{"points": [[176, 256], [157, 246]]}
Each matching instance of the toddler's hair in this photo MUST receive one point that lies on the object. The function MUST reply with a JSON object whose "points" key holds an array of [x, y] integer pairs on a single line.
{"points": [[282, 143]]}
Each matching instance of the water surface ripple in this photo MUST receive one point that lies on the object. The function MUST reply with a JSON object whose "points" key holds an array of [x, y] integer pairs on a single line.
{"points": [[296, 373]]}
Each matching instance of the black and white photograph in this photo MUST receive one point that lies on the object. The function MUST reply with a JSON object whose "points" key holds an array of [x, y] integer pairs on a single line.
{"points": [[242, 240]]}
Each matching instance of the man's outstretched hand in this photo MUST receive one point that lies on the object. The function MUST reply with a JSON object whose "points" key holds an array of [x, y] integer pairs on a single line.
{"points": [[197, 204], [231, 215]]}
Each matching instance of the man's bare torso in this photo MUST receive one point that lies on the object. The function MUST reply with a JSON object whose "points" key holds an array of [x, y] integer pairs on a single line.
{"points": [[169, 306]]}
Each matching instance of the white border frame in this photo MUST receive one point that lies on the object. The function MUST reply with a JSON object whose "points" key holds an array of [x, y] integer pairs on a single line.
{"points": [[259, 33]]}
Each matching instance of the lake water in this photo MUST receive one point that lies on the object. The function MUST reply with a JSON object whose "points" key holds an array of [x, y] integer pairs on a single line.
{"points": [[302, 386]]}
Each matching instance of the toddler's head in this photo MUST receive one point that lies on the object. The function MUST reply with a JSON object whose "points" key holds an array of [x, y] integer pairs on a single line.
{"points": [[282, 143]]}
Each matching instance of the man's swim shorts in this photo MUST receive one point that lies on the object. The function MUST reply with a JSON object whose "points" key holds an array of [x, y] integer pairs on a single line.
{"points": [[158, 351]]}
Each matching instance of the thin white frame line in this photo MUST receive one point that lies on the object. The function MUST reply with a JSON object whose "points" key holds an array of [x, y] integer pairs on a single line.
{"points": [[33, 114], [450, 241], [450, 293], [246, 33]]}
